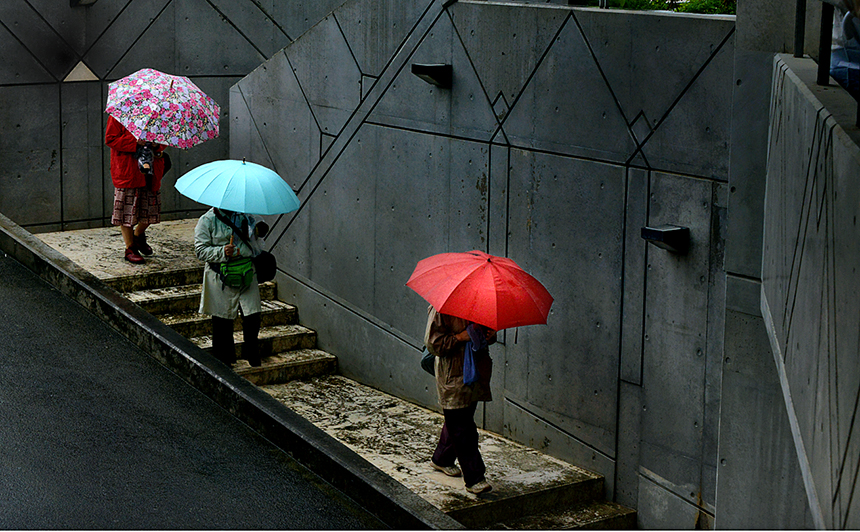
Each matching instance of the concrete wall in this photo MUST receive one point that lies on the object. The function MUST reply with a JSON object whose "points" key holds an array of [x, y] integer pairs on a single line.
{"points": [[58, 61], [564, 133], [809, 296], [759, 482]]}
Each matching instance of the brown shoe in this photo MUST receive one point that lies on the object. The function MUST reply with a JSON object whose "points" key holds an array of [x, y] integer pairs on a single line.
{"points": [[133, 257]]}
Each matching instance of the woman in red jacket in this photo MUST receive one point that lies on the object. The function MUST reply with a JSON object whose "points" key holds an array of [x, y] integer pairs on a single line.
{"points": [[137, 200]]}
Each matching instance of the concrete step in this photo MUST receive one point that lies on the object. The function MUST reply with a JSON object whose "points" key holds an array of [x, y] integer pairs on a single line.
{"points": [[191, 323], [287, 366], [602, 515], [182, 298], [276, 339], [399, 438], [153, 279]]}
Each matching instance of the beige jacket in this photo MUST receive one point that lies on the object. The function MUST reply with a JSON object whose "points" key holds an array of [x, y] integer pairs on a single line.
{"points": [[210, 237], [439, 337]]}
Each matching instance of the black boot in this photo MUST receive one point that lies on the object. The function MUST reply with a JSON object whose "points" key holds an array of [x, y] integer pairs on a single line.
{"points": [[251, 331], [222, 340]]}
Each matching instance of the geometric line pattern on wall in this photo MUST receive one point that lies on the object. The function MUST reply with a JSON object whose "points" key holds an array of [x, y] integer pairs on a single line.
{"points": [[710, 139], [357, 118], [461, 111], [554, 130], [809, 295]]}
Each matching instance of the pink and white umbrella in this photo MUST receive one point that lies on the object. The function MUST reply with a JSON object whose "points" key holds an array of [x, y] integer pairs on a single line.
{"points": [[163, 108]]}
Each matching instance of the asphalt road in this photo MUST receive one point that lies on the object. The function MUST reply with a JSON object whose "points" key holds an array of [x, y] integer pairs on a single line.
{"points": [[94, 434]]}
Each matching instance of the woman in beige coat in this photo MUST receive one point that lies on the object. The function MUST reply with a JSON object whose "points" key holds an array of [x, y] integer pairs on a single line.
{"points": [[446, 337], [215, 243]]}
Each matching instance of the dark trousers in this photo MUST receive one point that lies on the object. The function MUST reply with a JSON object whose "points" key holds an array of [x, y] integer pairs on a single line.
{"points": [[459, 439], [222, 339]]}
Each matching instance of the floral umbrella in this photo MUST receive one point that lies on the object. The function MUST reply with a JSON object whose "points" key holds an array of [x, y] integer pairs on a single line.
{"points": [[163, 108]]}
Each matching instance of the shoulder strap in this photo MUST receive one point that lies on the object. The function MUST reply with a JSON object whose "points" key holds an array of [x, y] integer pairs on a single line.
{"points": [[232, 226]]}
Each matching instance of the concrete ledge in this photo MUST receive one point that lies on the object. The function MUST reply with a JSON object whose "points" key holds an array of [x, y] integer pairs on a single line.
{"points": [[389, 500]]}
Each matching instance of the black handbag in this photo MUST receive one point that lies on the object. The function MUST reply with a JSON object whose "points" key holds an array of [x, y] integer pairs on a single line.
{"points": [[266, 266]]}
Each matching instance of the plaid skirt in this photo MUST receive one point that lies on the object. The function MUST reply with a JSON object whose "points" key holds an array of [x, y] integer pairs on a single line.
{"points": [[132, 206]]}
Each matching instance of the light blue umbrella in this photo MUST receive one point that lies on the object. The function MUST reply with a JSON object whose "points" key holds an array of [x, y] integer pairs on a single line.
{"points": [[238, 186]]}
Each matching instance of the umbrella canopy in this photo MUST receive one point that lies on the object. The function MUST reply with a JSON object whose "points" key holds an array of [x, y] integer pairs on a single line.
{"points": [[163, 108], [489, 290], [238, 186]]}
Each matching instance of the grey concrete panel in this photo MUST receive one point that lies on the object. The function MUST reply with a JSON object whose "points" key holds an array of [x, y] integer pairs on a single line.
{"points": [[19, 66], [633, 308], [123, 31], [38, 37], [567, 214], [629, 435], [505, 43], [676, 335], [713, 355], [661, 509], [678, 473], [82, 141], [549, 95], [375, 30], [412, 207], [462, 110], [328, 74], [241, 123], [297, 17], [157, 47], [342, 214], [694, 137], [845, 373], [70, 24], [208, 44], [31, 151], [252, 19], [748, 167], [743, 295], [532, 429], [757, 467], [283, 119], [649, 58]]}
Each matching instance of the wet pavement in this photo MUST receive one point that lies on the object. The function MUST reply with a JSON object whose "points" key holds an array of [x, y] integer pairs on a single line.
{"points": [[98, 435]]}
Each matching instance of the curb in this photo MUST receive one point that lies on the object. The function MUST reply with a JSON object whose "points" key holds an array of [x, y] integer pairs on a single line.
{"points": [[335, 463]]}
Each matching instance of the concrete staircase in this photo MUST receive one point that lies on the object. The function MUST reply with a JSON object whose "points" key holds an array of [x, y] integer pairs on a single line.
{"points": [[288, 350], [531, 490]]}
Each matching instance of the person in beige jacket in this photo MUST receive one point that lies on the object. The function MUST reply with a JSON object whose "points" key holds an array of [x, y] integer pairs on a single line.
{"points": [[446, 337], [215, 243]]}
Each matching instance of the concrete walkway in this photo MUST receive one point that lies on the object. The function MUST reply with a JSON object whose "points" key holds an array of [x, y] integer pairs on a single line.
{"points": [[393, 435]]}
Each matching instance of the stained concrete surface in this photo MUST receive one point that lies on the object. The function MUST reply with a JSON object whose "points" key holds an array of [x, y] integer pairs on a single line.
{"points": [[101, 251], [399, 438], [98, 435]]}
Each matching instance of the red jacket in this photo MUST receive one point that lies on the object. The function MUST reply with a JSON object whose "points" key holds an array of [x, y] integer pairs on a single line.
{"points": [[123, 164]]}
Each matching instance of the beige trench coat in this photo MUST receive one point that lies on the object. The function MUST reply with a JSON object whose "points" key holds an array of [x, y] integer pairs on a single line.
{"points": [[450, 355], [210, 237]]}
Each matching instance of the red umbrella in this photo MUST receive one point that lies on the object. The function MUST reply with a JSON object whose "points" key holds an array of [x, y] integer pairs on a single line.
{"points": [[489, 290]]}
